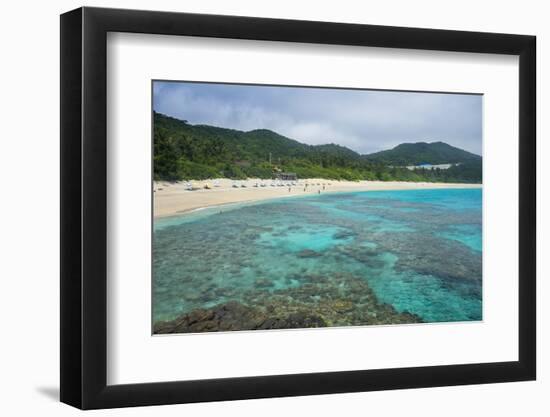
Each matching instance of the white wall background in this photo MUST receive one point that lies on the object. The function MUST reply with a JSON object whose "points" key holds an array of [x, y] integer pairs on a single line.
{"points": [[29, 237]]}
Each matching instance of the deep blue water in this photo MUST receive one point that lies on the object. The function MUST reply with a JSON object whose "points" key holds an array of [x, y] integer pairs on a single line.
{"points": [[418, 250]]}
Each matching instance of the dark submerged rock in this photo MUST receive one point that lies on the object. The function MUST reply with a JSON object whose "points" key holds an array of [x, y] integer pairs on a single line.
{"points": [[308, 253], [345, 234], [263, 283]]}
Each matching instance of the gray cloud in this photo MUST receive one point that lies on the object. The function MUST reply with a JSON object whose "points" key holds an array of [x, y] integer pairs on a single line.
{"points": [[363, 120]]}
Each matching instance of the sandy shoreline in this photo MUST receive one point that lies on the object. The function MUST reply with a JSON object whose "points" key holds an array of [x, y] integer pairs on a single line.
{"points": [[174, 198]]}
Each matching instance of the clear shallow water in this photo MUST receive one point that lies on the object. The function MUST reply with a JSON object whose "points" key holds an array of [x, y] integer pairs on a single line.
{"points": [[418, 250]]}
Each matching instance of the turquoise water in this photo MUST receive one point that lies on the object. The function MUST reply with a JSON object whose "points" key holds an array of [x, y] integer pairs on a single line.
{"points": [[419, 251]]}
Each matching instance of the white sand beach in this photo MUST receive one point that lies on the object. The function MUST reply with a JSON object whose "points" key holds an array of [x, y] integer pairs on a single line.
{"points": [[176, 198]]}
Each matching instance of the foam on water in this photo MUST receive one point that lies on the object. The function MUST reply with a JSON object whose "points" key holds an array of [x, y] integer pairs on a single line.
{"points": [[419, 250]]}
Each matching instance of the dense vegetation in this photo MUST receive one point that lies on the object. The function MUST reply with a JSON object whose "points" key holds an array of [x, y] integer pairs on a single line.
{"points": [[186, 151]]}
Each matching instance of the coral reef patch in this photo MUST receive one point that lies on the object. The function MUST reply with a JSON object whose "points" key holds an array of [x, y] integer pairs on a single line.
{"points": [[386, 257]]}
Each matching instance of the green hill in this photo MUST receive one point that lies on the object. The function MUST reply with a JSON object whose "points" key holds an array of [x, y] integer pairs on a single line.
{"points": [[422, 153], [186, 151]]}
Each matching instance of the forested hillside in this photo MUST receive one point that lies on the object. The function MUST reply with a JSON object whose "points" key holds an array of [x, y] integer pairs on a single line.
{"points": [[186, 151], [422, 153]]}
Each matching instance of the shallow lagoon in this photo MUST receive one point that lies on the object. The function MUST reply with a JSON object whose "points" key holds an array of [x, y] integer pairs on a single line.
{"points": [[418, 251]]}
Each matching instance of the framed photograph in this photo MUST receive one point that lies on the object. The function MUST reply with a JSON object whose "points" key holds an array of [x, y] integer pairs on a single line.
{"points": [[256, 208]]}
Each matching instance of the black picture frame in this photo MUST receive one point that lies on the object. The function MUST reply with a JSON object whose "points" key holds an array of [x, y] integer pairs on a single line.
{"points": [[84, 207]]}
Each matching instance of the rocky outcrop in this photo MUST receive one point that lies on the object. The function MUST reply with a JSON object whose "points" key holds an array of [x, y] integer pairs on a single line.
{"points": [[347, 301]]}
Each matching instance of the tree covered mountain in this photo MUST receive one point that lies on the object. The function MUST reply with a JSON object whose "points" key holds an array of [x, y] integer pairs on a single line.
{"points": [[186, 151], [422, 153]]}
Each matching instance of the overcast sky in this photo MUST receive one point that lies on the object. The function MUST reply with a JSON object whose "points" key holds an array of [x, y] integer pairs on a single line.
{"points": [[363, 120]]}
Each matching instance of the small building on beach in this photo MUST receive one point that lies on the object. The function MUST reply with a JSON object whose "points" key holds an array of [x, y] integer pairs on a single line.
{"points": [[286, 176]]}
